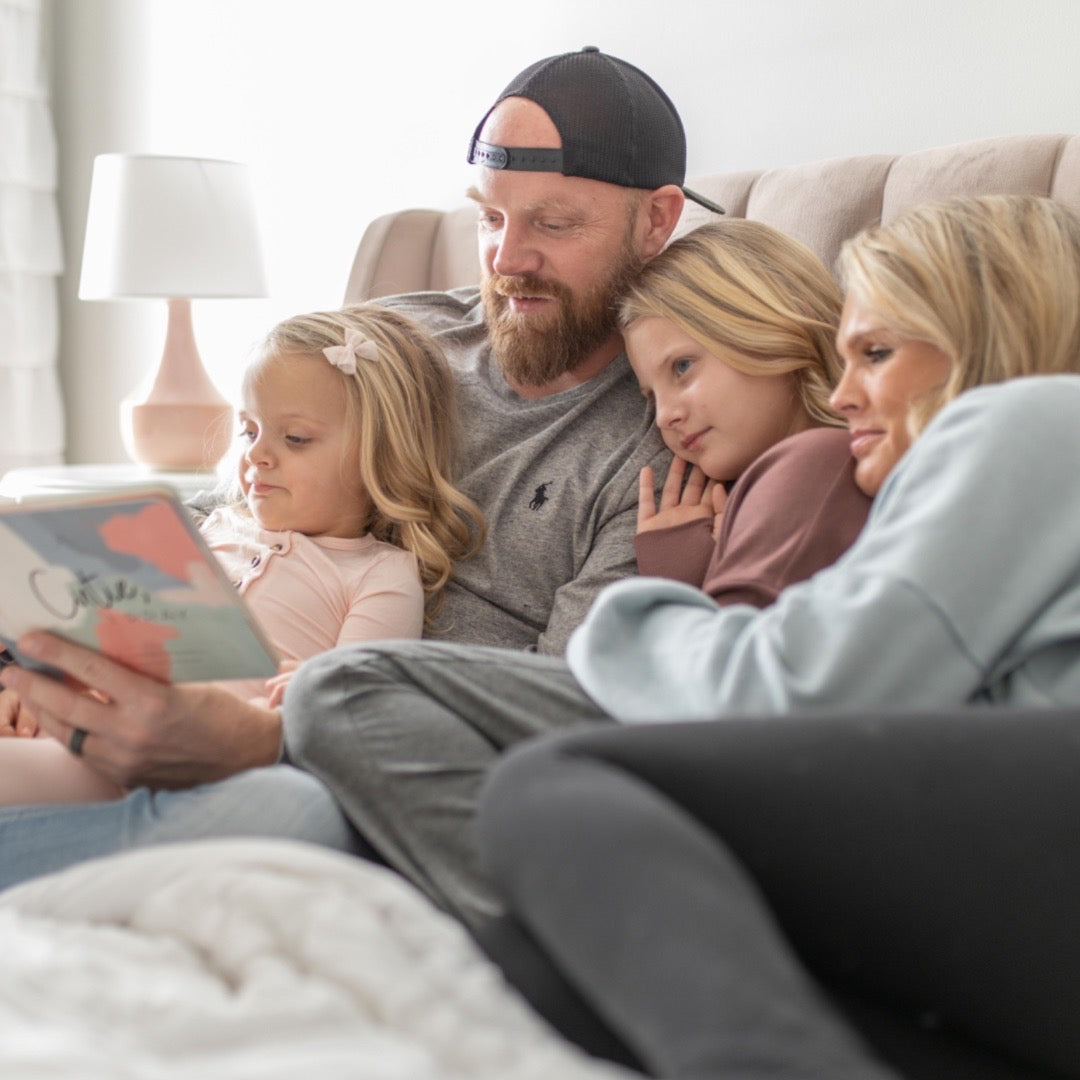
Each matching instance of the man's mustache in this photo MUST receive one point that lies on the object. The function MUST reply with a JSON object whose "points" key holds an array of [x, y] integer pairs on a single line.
{"points": [[526, 286]]}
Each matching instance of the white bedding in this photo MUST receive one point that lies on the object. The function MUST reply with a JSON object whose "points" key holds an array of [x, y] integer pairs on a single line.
{"points": [[255, 960]]}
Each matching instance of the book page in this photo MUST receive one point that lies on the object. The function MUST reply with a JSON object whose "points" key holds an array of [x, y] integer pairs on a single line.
{"points": [[129, 576]]}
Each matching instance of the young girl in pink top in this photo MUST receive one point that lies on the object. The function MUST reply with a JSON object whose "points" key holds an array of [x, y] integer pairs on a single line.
{"points": [[344, 525]]}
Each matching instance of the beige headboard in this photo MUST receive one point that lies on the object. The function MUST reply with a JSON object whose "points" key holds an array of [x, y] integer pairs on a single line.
{"points": [[821, 204]]}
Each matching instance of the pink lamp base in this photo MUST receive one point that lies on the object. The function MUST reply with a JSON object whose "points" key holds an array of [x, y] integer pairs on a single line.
{"points": [[184, 438], [181, 422]]}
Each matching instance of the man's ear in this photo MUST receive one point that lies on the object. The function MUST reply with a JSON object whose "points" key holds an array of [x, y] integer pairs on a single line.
{"points": [[660, 210]]}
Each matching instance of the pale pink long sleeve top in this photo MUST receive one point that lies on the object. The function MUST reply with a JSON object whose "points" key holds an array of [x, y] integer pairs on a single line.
{"points": [[313, 593]]}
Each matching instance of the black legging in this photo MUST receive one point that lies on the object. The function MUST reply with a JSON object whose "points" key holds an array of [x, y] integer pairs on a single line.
{"points": [[924, 870]]}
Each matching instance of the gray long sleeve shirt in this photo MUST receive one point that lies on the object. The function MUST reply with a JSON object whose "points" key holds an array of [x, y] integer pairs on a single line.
{"points": [[555, 476]]}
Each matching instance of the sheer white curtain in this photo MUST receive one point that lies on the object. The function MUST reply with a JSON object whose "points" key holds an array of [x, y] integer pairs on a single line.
{"points": [[31, 408]]}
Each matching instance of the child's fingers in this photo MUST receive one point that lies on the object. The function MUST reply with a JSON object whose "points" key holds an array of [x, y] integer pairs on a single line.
{"points": [[275, 686], [696, 485], [9, 712], [15, 718], [646, 503], [673, 483], [275, 689], [26, 726]]}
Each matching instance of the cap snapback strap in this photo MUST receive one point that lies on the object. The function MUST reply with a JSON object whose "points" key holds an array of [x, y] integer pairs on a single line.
{"points": [[543, 159], [525, 158]]}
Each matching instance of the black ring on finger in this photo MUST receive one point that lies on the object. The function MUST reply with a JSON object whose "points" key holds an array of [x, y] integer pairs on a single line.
{"points": [[78, 737]]}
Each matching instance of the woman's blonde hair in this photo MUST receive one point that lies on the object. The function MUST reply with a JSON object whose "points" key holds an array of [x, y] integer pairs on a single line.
{"points": [[402, 408], [745, 286], [992, 281]]}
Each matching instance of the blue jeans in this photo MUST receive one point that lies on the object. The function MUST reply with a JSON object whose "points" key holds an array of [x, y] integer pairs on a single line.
{"points": [[279, 801]]}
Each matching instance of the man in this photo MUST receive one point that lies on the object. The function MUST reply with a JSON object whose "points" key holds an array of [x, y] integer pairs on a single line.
{"points": [[581, 164], [556, 432]]}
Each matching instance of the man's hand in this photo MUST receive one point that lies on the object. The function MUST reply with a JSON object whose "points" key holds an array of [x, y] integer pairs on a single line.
{"points": [[139, 731], [699, 499]]}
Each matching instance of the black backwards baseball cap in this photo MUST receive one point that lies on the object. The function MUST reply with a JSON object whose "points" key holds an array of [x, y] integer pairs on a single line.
{"points": [[615, 124]]}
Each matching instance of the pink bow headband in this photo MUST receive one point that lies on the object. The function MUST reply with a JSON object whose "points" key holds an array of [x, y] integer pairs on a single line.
{"points": [[357, 345]]}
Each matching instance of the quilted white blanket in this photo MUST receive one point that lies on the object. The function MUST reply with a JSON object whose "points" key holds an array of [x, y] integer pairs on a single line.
{"points": [[255, 960]]}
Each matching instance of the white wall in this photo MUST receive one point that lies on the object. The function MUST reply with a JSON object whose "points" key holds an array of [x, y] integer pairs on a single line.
{"points": [[346, 109]]}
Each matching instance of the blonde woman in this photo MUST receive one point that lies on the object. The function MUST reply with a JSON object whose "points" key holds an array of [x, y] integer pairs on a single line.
{"points": [[858, 815], [347, 523]]}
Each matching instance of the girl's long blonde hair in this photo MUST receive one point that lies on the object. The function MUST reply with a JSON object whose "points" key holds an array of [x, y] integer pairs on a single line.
{"points": [[402, 409], [746, 287], [993, 281]]}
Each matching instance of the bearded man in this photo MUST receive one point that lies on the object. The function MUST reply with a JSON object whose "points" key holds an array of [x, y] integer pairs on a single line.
{"points": [[580, 164]]}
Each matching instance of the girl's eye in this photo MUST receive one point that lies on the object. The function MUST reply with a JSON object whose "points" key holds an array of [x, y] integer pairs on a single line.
{"points": [[297, 440], [877, 355], [248, 434], [682, 365]]}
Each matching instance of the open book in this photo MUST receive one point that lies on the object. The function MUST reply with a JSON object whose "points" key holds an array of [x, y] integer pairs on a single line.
{"points": [[126, 573]]}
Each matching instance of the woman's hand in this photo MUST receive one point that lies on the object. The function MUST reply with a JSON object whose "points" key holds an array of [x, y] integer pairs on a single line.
{"points": [[698, 499], [140, 731]]}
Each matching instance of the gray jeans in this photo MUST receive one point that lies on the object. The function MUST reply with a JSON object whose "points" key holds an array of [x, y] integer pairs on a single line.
{"points": [[404, 734]]}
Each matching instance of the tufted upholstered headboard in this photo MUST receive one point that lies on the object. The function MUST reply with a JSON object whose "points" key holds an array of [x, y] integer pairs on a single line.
{"points": [[820, 203]]}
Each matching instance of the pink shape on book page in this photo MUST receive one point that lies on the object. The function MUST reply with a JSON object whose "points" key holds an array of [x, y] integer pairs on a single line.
{"points": [[136, 643], [155, 536]]}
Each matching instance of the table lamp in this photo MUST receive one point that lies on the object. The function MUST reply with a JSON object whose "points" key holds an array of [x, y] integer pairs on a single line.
{"points": [[175, 228]]}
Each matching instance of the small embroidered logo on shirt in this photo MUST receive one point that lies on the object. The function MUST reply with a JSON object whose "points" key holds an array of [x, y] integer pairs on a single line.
{"points": [[539, 496]]}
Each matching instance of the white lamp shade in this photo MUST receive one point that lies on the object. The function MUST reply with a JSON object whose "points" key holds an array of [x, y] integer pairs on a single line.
{"points": [[173, 227]]}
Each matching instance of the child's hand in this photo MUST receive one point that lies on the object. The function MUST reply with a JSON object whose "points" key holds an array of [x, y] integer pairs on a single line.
{"points": [[275, 686], [701, 499], [14, 718]]}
